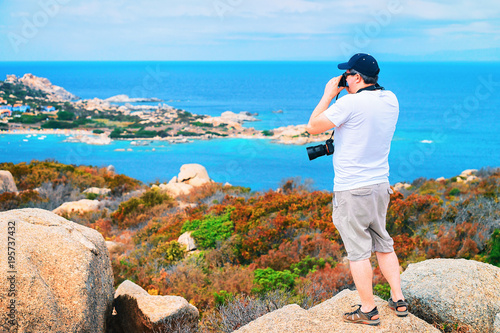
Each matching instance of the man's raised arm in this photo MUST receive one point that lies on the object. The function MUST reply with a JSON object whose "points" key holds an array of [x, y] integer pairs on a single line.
{"points": [[318, 122]]}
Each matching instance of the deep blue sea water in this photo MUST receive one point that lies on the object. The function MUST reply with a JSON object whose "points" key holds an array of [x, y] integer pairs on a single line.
{"points": [[448, 117]]}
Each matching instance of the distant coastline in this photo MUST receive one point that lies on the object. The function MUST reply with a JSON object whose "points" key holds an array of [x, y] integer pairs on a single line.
{"points": [[32, 105]]}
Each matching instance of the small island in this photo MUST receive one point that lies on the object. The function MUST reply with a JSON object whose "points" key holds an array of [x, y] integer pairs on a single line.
{"points": [[33, 104]]}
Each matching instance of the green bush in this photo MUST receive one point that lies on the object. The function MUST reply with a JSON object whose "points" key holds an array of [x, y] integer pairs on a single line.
{"points": [[188, 133], [454, 192], [382, 290], [58, 124], [494, 255], [211, 229], [223, 297], [28, 119], [142, 133], [169, 252], [64, 115], [200, 124], [154, 197], [92, 196], [307, 265], [268, 279], [149, 199], [97, 131], [267, 133]]}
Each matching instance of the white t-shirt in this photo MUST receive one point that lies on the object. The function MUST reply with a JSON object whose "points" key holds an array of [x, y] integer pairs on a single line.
{"points": [[365, 124]]}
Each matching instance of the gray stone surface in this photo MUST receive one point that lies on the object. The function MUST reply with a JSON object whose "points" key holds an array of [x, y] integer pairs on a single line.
{"points": [[327, 317], [187, 240], [63, 275], [454, 291], [7, 183], [137, 311], [193, 174]]}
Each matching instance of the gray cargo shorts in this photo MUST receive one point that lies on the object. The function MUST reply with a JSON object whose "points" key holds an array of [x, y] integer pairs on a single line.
{"points": [[359, 216]]}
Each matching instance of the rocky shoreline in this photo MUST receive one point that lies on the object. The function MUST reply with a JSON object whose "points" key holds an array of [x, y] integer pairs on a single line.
{"points": [[51, 109]]}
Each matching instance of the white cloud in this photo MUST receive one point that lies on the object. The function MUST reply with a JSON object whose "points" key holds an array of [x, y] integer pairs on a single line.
{"points": [[451, 9], [482, 28]]}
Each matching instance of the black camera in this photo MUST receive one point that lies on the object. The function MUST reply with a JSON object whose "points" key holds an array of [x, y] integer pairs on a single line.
{"points": [[320, 150], [343, 81]]}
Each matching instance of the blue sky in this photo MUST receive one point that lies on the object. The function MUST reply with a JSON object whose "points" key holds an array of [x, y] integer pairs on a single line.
{"points": [[393, 30]]}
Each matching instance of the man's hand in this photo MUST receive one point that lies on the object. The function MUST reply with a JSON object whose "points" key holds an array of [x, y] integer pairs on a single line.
{"points": [[332, 88]]}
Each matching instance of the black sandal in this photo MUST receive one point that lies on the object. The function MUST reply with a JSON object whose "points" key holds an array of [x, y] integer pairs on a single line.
{"points": [[399, 304], [360, 317]]}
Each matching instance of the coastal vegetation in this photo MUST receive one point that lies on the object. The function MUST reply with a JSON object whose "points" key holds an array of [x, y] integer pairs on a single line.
{"points": [[31, 103], [117, 122], [253, 247]]}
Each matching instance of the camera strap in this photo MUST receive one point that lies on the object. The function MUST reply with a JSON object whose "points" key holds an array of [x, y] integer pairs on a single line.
{"points": [[376, 86]]}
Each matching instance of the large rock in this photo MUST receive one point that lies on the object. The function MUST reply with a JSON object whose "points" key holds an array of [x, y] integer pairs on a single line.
{"points": [[80, 206], [137, 311], [62, 274], [54, 92], [176, 189], [7, 183], [237, 117], [114, 247], [187, 240], [454, 291], [97, 190], [190, 176], [327, 317], [468, 172], [193, 174]]}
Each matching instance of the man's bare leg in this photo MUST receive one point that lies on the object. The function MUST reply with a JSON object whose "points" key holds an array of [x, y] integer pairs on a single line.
{"points": [[389, 265], [363, 275]]}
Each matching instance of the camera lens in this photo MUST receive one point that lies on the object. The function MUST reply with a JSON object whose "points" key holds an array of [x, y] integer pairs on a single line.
{"points": [[316, 151]]}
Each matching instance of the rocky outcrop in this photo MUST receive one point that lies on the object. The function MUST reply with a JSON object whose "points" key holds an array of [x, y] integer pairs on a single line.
{"points": [[114, 247], [137, 311], [327, 317], [187, 240], [468, 172], [193, 174], [90, 139], [454, 291], [190, 176], [55, 93], [63, 279], [7, 183], [237, 117], [126, 99], [297, 135], [97, 190], [80, 206], [402, 186], [176, 189]]}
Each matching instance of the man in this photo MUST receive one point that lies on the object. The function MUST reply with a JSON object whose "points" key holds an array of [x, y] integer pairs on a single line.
{"points": [[364, 122]]}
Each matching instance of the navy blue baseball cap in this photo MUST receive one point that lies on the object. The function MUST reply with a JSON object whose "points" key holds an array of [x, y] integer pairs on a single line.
{"points": [[362, 63]]}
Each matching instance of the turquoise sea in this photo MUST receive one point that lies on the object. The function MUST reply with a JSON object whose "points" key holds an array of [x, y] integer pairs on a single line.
{"points": [[448, 117]]}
